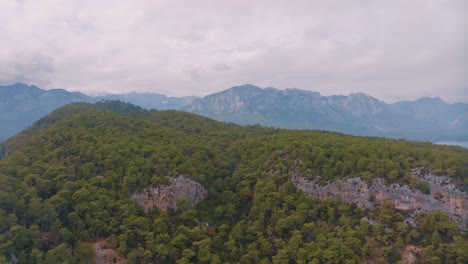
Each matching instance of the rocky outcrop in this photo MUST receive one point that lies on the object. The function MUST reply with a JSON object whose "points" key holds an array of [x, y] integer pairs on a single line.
{"points": [[104, 253], [443, 196], [409, 253], [165, 197]]}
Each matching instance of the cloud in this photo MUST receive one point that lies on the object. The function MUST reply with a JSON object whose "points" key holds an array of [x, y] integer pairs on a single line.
{"points": [[392, 50], [26, 67]]}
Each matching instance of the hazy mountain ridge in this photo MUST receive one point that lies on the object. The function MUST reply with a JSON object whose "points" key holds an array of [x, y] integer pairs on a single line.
{"points": [[150, 100], [357, 113], [21, 104], [432, 110]]}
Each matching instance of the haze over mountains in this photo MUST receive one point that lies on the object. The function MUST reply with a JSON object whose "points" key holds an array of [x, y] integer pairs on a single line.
{"points": [[356, 114], [150, 100], [21, 104]]}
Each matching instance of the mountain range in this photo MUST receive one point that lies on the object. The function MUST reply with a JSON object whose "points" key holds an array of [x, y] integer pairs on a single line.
{"points": [[357, 114], [427, 119]]}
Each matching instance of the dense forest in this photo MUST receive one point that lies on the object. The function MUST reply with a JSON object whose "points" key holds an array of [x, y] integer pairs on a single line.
{"points": [[67, 182]]}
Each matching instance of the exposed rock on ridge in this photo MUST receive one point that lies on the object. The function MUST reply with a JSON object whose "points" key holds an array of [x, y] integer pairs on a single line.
{"points": [[444, 195], [165, 197]]}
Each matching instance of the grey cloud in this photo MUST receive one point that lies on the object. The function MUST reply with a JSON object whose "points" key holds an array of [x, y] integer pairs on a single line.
{"points": [[26, 67], [221, 67], [390, 49]]}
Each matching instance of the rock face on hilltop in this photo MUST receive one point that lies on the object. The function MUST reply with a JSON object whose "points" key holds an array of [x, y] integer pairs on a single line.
{"points": [[165, 197], [443, 196]]}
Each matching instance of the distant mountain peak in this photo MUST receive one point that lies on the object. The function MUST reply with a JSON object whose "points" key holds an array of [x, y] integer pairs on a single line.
{"points": [[431, 100], [242, 90], [246, 86], [364, 98], [360, 95], [20, 91], [21, 87], [20, 84], [299, 91], [363, 105]]}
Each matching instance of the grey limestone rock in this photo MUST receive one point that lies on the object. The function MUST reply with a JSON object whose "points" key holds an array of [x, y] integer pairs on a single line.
{"points": [[165, 197], [443, 196]]}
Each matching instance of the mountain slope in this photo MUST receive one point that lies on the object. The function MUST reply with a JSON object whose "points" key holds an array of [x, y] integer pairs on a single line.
{"points": [[88, 173], [357, 114]]}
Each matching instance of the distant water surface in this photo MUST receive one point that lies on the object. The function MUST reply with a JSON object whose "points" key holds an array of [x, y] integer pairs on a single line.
{"points": [[455, 143]]}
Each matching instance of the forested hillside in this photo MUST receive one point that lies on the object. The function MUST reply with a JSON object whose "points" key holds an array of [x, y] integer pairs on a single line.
{"points": [[70, 180]]}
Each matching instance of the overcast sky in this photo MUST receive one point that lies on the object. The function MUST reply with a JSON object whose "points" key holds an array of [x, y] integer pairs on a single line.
{"points": [[392, 50]]}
